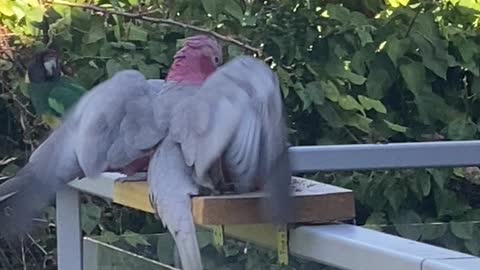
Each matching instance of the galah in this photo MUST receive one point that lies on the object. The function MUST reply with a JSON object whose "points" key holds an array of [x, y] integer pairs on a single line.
{"points": [[228, 135], [51, 93], [111, 128]]}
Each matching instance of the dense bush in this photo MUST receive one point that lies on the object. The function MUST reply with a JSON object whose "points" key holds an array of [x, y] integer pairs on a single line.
{"points": [[351, 72]]}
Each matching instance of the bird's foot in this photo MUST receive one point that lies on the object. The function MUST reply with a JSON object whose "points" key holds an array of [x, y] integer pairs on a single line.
{"points": [[137, 177]]}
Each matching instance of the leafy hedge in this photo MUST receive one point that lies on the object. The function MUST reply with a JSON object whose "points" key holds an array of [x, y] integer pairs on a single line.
{"points": [[351, 72]]}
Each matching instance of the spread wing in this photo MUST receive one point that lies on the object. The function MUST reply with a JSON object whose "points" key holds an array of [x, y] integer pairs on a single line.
{"points": [[116, 123], [237, 117]]}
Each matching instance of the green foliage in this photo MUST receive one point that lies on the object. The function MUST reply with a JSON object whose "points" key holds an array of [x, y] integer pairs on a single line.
{"points": [[350, 72], [232, 255]]}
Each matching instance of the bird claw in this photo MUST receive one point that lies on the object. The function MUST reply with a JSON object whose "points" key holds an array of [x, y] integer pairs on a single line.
{"points": [[138, 177]]}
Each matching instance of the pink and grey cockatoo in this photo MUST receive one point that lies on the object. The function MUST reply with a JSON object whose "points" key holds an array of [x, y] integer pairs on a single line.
{"points": [[112, 128], [230, 132]]}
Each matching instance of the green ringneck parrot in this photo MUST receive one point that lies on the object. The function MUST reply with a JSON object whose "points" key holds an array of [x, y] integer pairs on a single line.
{"points": [[51, 93]]}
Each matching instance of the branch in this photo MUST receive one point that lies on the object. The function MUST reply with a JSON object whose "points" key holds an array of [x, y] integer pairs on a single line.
{"points": [[37, 245], [142, 17]]}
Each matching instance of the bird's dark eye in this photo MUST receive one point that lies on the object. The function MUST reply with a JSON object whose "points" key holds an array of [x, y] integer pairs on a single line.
{"points": [[216, 60]]}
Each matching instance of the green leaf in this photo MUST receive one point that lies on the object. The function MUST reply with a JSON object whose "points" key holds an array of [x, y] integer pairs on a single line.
{"points": [[413, 74], [433, 230], [330, 115], [377, 218], [397, 3], [403, 224], [331, 91], [338, 13], [304, 97], [369, 104], [113, 66], [359, 121], [109, 237], [96, 32], [463, 230], [285, 80], [432, 107], [90, 49], [134, 239], [233, 8], [338, 68], [437, 65], [349, 103], [136, 33], [354, 78], [204, 238], [434, 57], [475, 86], [124, 45], [447, 203], [361, 59], [395, 127], [467, 49], [231, 250], [461, 128], [473, 245], [90, 217], [88, 76], [234, 51], [440, 176], [6, 7], [211, 7], [396, 48], [151, 71], [426, 186], [165, 249], [314, 90], [364, 34], [381, 76], [35, 14], [396, 194]]}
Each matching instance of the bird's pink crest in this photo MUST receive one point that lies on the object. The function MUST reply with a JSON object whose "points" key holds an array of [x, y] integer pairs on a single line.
{"points": [[196, 60]]}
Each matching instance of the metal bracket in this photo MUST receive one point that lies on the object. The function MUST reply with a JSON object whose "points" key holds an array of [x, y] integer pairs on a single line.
{"points": [[282, 244], [218, 239]]}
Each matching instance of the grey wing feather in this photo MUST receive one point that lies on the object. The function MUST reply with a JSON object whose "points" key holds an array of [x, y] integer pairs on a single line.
{"points": [[110, 126], [116, 123], [238, 115], [157, 85]]}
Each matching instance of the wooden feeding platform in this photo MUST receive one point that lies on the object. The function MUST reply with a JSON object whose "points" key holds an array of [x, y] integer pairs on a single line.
{"points": [[315, 203], [240, 215]]}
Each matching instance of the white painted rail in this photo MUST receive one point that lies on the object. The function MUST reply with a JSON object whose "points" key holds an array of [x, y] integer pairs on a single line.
{"points": [[343, 246]]}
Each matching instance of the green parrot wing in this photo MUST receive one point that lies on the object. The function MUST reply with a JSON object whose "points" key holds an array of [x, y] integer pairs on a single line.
{"points": [[39, 94], [63, 96]]}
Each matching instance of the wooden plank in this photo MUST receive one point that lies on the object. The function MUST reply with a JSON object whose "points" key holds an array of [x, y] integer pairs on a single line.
{"points": [[133, 195], [315, 203]]}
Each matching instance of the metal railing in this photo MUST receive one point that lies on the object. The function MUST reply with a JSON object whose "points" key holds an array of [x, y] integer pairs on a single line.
{"points": [[343, 246]]}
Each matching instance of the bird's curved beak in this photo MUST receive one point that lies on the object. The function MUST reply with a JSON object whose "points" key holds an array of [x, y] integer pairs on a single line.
{"points": [[50, 66]]}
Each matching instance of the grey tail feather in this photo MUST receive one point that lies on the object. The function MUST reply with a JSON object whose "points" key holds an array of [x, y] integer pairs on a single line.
{"points": [[188, 251], [23, 198], [280, 204]]}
